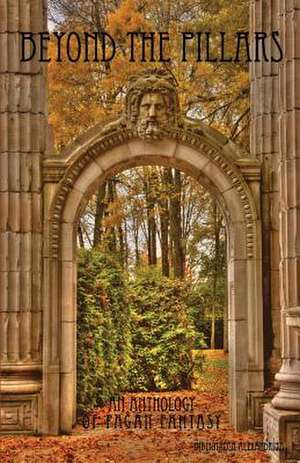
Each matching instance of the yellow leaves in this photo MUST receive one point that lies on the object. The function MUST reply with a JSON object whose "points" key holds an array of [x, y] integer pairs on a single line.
{"points": [[243, 78], [125, 19], [84, 93]]}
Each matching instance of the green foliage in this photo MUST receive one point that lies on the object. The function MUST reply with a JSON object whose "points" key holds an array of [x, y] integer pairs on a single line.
{"points": [[196, 304], [207, 299], [200, 302], [103, 340], [208, 272], [163, 336], [131, 336]]}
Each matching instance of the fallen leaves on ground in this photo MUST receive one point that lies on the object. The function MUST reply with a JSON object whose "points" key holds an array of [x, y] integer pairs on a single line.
{"points": [[160, 444]]}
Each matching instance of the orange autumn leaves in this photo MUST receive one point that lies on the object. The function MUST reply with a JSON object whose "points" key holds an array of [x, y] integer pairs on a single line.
{"points": [[84, 93], [102, 445]]}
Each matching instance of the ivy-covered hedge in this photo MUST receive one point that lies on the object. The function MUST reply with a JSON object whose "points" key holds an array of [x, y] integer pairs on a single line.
{"points": [[135, 335], [163, 335], [103, 329]]}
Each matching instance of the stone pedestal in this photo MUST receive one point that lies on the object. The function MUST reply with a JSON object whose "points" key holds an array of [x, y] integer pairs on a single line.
{"points": [[282, 432]]}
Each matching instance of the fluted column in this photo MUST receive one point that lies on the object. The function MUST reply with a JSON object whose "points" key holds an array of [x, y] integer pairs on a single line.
{"points": [[22, 144], [289, 375], [264, 140], [282, 418]]}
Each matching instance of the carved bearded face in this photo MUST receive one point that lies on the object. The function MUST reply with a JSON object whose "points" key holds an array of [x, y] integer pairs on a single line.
{"points": [[152, 116]]}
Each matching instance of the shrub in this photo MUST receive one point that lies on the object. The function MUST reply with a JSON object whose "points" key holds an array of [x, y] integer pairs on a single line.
{"points": [[135, 335], [103, 336], [163, 336]]}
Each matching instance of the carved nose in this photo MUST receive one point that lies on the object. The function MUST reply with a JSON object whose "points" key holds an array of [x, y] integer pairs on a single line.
{"points": [[152, 111]]}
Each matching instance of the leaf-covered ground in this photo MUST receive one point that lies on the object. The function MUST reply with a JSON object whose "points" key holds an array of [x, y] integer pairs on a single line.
{"points": [[163, 443]]}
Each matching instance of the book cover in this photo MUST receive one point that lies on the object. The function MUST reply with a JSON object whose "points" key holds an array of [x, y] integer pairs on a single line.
{"points": [[141, 274]]}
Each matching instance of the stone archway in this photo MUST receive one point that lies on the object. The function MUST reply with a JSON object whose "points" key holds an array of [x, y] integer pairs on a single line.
{"points": [[233, 180]]}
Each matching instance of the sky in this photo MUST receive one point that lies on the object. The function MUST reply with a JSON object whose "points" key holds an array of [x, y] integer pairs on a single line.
{"points": [[50, 25]]}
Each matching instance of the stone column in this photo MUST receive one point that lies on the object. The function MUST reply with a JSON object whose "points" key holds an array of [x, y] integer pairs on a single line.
{"points": [[22, 144], [282, 418], [264, 145]]}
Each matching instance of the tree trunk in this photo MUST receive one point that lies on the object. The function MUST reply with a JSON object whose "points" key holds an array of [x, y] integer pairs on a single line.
{"points": [[100, 208], [136, 243], [152, 238], [213, 329], [126, 246], [175, 226], [110, 231], [164, 222], [150, 195], [121, 245], [80, 237]]}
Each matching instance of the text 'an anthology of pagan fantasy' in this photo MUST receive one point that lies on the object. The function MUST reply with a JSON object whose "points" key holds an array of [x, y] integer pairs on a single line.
{"points": [[146, 413]]}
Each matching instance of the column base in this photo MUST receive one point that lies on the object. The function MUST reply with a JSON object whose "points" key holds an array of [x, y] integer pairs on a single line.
{"points": [[288, 397], [20, 400], [282, 431]]}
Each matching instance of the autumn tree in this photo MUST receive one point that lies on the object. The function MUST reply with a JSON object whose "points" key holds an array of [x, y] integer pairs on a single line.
{"points": [[208, 297], [215, 93]]}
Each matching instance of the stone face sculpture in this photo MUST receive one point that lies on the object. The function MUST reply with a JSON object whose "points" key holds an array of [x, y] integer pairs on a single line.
{"points": [[151, 105], [152, 109], [152, 116]]}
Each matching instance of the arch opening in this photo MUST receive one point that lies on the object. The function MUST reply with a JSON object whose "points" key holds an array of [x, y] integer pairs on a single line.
{"points": [[159, 232]]}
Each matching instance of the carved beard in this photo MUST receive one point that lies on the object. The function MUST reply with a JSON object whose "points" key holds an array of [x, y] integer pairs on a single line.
{"points": [[151, 129]]}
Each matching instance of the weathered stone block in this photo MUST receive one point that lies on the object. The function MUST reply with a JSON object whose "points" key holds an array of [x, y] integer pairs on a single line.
{"points": [[18, 413], [68, 292], [86, 180], [72, 204], [221, 181], [257, 400], [186, 154], [282, 428]]}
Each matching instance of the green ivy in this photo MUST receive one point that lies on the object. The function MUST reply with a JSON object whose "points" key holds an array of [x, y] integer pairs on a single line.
{"points": [[103, 336], [133, 335], [163, 336]]}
